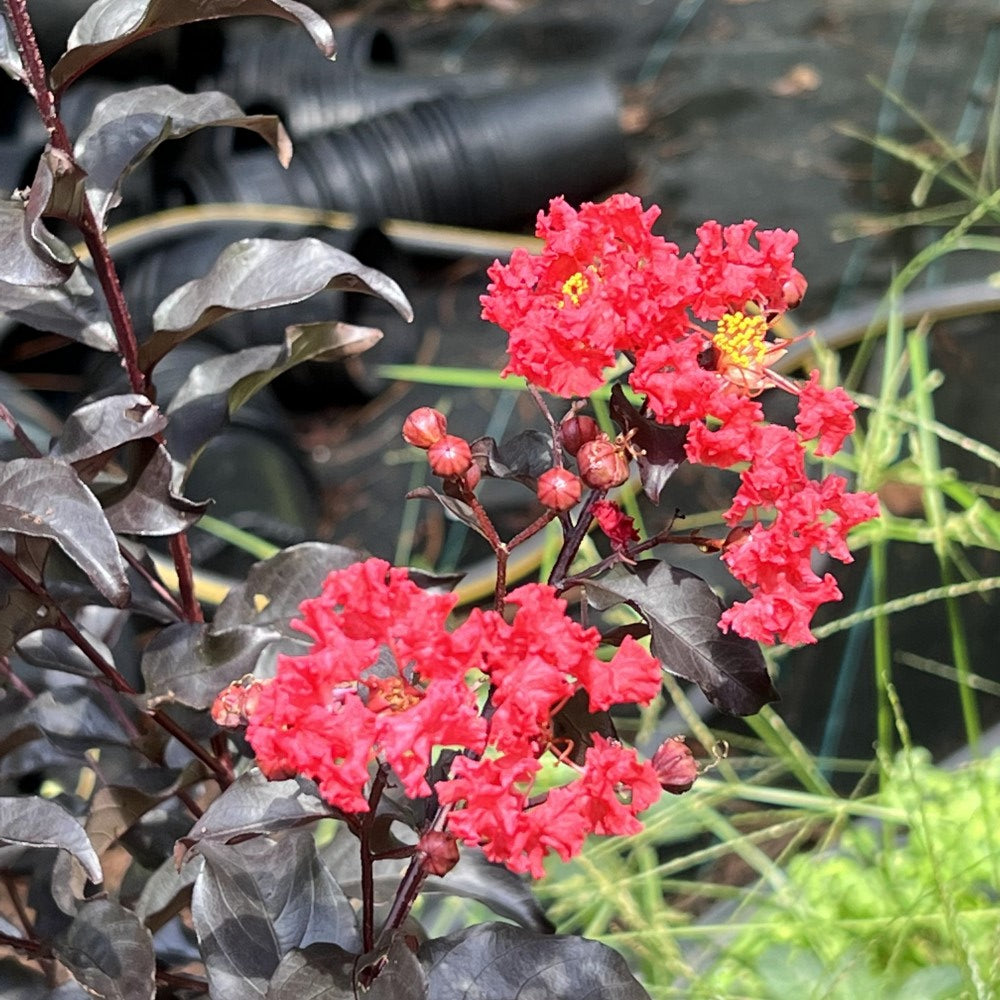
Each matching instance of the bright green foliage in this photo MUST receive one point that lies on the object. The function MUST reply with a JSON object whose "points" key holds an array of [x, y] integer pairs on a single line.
{"points": [[917, 917]]}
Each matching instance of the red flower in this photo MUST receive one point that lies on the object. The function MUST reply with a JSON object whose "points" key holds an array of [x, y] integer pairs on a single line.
{"points": [[616, 525], [615, 787], [332, 711], [601, 285], [732, 272], [825, 414], [632, 675], [385, 682]]}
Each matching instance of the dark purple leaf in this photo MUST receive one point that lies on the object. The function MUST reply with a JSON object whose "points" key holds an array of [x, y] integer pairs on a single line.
{"points": [[191, 663], [21, 613], [37, 822], [496, 886], [318, 972], [56, 192], [30, 259], [51, 649], [20, 982], [252, 806], [260, 274], [216, 388], [106, 424], [398, 974], [523, 457], [499, 960], [166, 892], [459, 509], [75, 309], [109, 25], [69, 588], [115, 809], [659, 449], [256, 901], [109, 952], [44, 498], [275, 588], [10, 58], [150, 506], [683, 616], [75, 718], [126, 127]]}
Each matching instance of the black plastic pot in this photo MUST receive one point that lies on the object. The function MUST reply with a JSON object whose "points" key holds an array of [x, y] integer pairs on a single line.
{"points": [[489, 161], [275, 68]]}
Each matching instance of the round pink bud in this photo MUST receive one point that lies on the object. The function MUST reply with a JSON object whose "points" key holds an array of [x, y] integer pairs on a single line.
{"points": [[449, 456], [675, 766], [576, 430], [440, 852], [472, 476], [559, 489], [602, 464], [424, 426], [794, 289]]}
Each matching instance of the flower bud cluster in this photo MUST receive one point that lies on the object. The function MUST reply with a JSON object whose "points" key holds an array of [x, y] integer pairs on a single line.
{"points": [[448, 456]]}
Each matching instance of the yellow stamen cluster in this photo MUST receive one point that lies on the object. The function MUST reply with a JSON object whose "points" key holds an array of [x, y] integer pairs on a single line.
{"points": [[398, 694], [575, 286], [740, 339]]}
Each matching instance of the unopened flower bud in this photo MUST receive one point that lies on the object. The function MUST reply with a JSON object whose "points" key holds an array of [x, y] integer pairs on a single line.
{"points": [[736, 535], [602, 464], [576, 430], [794, 289], [424, 426], [449, 456], [559, 489], [440, 852], [234, 704], [675, 765], [472, 476]]}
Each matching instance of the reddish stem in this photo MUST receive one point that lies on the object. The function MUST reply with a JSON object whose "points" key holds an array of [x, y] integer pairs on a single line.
{"points": [[220, 769], [573, 540], [18, 431], [413, 879], [90, 228], [499, 546], [181, 552], [368, 863], [104, 268], [532, 529]]}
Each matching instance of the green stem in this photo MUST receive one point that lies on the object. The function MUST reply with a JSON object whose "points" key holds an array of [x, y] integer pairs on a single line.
{"points": [[929, 459]]}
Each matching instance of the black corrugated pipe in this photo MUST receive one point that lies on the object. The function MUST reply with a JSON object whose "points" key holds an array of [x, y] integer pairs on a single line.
{"points": [[489, 161]]}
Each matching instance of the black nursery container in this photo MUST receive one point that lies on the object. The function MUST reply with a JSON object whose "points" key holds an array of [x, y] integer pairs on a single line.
{"points": [[269, 67], [490, 161]]}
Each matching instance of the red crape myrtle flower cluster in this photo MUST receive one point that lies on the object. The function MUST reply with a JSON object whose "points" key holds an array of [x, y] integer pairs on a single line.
{"points": [[694, 329], [386, 682]]}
